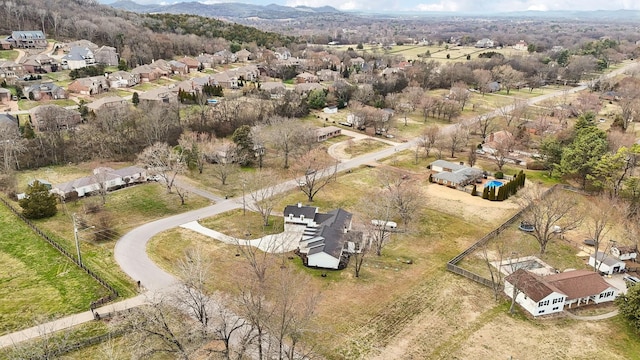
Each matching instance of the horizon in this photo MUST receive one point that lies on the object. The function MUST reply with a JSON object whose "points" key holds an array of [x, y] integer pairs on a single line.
{"points": [[470, 7]]}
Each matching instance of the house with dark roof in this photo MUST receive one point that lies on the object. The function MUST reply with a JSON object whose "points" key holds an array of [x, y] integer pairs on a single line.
{"points": [[89, 85], [452, 174], [161, 94], [51, 117], [5, 95], [324, 242], [106, 55], [45, 91], [8, 120], [544, 295], [33, 39], [39, 63]]}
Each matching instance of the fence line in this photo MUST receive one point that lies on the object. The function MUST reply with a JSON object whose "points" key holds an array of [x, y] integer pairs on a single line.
{"points": [[452, 265], [113, 292]]}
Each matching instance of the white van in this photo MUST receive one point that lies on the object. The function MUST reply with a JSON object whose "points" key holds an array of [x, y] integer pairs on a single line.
{"points": [[387, 224]]}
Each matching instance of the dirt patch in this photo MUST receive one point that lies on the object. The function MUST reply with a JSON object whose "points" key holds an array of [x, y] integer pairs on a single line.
{"points": [[470, 208]]}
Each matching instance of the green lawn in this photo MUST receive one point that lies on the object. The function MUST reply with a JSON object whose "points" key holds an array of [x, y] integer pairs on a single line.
{"points": [[25, 104], [36, 281], [247, 226], [364, 146], [8, 54]]}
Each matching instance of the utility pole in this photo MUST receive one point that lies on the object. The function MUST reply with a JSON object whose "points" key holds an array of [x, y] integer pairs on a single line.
{"points": [[244, 202], [75, 235]]}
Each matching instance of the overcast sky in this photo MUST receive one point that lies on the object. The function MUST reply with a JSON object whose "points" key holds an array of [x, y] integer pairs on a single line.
{"points": [[473, 6]]}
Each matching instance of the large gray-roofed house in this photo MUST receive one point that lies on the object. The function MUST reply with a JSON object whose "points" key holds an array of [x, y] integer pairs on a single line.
{"points": [[324, 243], [8, 120], [28, 39], [454, 175]]}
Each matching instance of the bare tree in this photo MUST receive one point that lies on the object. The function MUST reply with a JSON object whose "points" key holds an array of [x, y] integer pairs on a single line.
{"points": [[11, 145], [486, 124], [162, 160], [315, 171], [362, 246], [460, 92], [548, 213], [457, 138], [515, 111], [262, 187], [224, 157], [198, 147], [227, 325], [490, 256], [406, 197], [429, 137], [288, 136], [483, 78], [502, 147], [194, 271], [378, 214], [601, 218], [161, 328]]}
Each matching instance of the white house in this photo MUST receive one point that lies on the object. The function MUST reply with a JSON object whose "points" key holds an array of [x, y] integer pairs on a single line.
{"points": [[544, 295], [624, 252], [323, 243], [534, 295], [102, 178], [606, 264]]}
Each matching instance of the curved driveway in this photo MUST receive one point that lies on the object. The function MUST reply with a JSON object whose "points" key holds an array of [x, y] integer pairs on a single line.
{"points": [[130, 251]]}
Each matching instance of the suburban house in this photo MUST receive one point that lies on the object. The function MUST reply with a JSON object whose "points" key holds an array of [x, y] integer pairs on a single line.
{"points": [[192, 64], [162, 94], [485, 43], [521, 46], [624, 252], [306, 77], [45, 91], [148, 73], [246, 73], [7, 120], [327, 132], [243, 55], [122, 79], [544, 295], [454, 175], [282, 54], [324, 242], [206, 60], [34, 39], [5, 95], [178, 67], [102, 178], [306, 88], [39, 63], [499, 140], [9, 69], [358, 62], [606, 264], [78, 57], [224, 79], [225, 57], [106, 102], [328, 75], [50, 117], [5, 45], [89, 86], [106, 55], [275, 88]]}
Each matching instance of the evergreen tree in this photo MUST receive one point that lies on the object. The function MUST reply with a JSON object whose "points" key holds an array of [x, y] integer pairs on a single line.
{"points": [[242, 138], [135, 99], [485, 193], [38, 203], [492, 193]]}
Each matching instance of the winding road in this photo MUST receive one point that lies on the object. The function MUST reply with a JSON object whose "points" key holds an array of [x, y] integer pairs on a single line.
{"points": [[131, 249]]}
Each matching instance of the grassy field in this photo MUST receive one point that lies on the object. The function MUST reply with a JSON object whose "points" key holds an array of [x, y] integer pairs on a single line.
{"points": [[8, 54], [364, 146], [244, 226], [36, 280], [25, 104]]}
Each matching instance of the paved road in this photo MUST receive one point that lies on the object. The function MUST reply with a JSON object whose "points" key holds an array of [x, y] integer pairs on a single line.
{"points": [[130, 250]]}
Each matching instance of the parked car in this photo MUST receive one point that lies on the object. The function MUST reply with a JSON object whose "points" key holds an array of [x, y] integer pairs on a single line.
{"points": [[631, 280]]}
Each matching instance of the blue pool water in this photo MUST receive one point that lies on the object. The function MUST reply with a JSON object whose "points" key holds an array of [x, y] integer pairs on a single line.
{"points": [[493, 183]]}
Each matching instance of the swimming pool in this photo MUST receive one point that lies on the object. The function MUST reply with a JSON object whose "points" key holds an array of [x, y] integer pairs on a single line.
{"points": [[493, 184]]}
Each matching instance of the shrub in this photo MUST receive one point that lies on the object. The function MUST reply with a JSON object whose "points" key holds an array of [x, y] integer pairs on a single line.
{"points": [[474, 192], [499, 175], [536, 165]]}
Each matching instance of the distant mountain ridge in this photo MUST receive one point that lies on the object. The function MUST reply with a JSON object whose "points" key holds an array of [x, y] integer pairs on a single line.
{"points": [[227, 10]]}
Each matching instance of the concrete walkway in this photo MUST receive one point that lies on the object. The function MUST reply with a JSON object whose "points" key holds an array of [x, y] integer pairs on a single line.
{"points": [[68, 322], [592, 317], [275, 243]]}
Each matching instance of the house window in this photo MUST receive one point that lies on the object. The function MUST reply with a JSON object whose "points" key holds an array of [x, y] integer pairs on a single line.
{"points": [[543, 303], [540, 311], [556, 308], [559, 300]]}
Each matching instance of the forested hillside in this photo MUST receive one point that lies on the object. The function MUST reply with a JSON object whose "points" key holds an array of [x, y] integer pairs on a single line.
{"points": [[138, 38]]}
